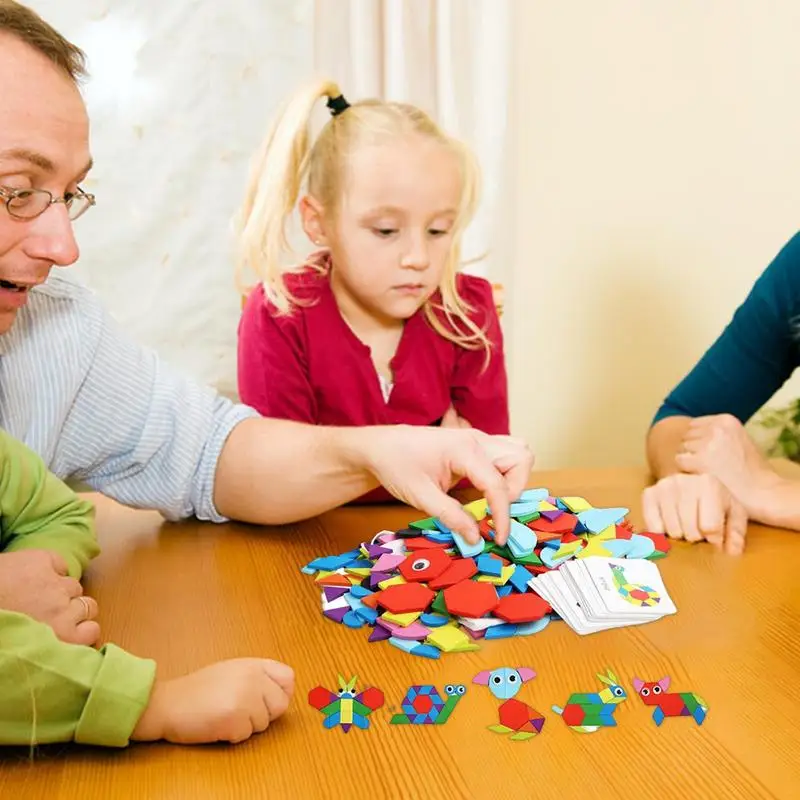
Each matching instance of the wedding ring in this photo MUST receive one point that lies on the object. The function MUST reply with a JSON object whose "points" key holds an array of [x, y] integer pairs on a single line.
{"points": [[87, 608]]}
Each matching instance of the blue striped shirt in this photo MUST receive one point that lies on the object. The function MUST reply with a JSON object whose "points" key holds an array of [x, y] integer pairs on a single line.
{"points": [[104, 411]]}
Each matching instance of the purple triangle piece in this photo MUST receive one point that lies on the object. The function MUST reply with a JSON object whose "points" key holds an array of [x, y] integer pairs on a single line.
{"points": [[334, 592], [376, 551], [346, 726], [379, 633], [376, 577], [337, 614], [552, 515], [538, 724]]}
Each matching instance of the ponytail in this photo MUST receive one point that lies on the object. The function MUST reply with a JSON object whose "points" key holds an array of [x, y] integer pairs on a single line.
{"points": [[274, 184]]}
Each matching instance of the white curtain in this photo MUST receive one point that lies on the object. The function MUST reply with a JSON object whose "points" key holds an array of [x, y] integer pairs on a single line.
{"points": [[179, 97], [452, 58]]}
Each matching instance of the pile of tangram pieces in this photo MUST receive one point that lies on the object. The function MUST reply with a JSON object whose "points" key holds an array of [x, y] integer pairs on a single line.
{"points": [[425, 590]]}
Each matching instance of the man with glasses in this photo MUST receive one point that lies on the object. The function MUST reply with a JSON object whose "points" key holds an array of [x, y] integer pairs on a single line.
{"points": [[102, 410]]}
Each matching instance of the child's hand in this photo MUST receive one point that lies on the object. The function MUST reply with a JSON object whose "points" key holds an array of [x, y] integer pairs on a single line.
{"points": [[35, 583], [224, 702], [452, 420]]}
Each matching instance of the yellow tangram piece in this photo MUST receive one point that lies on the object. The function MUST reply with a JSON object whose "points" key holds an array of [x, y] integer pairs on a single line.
{"points": [[545, 506], [576, 504], [501, 579], [451, 640], [397, 580], [607, 533], [595, 547], [568, 549], [403, 620], [478, 509], [363, 572]]}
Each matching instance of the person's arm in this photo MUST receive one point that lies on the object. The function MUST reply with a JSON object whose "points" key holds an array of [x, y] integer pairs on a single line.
{"points": [[39, 512], [57, 692], [479, 391], [150, 438], [664, 441], [746, 365], [272, 369]]}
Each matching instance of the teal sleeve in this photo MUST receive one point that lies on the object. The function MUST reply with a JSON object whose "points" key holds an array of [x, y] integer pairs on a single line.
{"points": [[755, 354], [38, 511], [51, 691]]}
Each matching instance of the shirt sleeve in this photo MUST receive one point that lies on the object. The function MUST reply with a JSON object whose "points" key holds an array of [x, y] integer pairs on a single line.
{"points": [[144, 434], [57, 692], [479, 391], [754, 355], [40, 512], [272, 366]]}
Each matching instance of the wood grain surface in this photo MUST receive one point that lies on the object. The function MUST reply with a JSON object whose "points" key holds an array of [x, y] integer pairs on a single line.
{"points": [[191, 593]]}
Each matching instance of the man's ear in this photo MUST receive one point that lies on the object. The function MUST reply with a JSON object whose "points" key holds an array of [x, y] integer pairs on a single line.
{"points": [[312, 214]]}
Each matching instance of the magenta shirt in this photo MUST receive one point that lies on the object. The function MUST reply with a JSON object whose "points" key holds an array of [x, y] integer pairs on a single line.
{"points": [[310, 367]]}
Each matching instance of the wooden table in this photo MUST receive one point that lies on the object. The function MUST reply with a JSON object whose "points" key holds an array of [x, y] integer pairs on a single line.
{"points": [[190, 594]]}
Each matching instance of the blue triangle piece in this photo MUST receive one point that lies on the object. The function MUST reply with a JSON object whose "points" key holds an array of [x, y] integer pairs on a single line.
{"points": [[331, 563], [596, 520]]}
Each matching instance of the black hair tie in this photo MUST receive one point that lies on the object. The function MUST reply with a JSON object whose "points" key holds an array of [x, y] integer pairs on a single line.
{"points": [[337, 105]]}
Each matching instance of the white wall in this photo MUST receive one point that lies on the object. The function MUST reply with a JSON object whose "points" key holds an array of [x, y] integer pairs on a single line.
{"points": [[657, 155], [180, 95], [654, 164]]}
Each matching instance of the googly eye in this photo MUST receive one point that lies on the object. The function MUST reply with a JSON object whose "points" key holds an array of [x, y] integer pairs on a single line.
{"points": [[656, 689], [645, 692], [461, 689], [449, 689], [512, 678], [497, 680], [420, 565], [618, 691]]}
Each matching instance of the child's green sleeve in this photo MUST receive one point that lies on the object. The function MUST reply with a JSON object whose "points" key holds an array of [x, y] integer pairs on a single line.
{"points": [[51, 691], [38, 511]]}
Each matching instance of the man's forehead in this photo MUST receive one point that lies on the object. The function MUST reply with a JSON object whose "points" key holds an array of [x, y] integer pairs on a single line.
{"points": [[42, 112]]}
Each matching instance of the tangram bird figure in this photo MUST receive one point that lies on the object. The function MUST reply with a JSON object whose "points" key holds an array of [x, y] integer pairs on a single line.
{"points": [[670, 704], [346, 708], [637, 594]]}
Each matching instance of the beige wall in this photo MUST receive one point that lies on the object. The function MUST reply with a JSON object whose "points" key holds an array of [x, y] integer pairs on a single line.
{"points": [[656, 158]]}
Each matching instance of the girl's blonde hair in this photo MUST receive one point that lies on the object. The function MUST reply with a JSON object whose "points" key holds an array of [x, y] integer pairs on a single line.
{"points": [[286, 159]]}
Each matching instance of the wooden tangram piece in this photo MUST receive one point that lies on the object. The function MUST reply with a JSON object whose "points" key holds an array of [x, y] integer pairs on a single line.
{"points": [[670, 704], [346, 708]]}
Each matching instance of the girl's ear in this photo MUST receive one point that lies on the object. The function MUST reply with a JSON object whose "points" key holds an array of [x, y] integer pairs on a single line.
{"points": [[311, 212]]}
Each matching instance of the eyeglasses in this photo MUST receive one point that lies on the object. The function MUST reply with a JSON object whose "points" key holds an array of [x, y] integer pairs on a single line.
{"points": [[30, 203]]}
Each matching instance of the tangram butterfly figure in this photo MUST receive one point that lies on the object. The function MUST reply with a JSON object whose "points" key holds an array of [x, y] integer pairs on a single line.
{"points": [[423, 705], [670, 704], [586, 713], [637, 594], [346, 708], [516, 718]]}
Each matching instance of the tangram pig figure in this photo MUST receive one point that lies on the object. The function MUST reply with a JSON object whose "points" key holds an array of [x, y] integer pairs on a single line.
{"points": [[670, 704]]}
